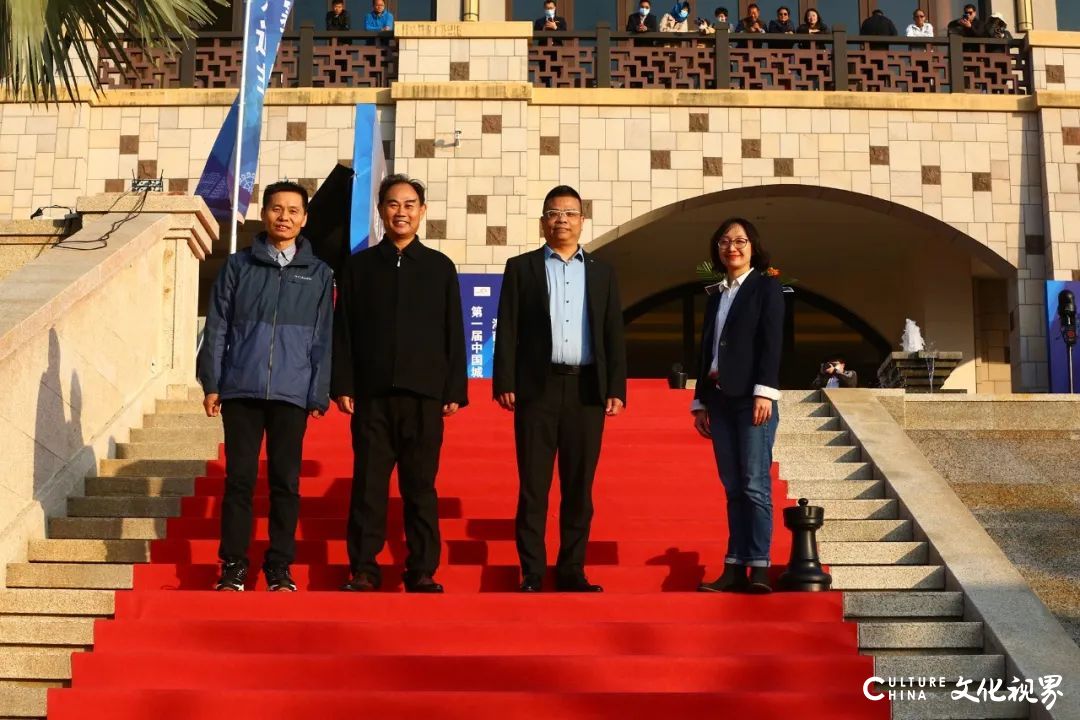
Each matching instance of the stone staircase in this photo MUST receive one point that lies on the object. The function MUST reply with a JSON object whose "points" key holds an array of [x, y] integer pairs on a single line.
{"points": [[892, 589]]}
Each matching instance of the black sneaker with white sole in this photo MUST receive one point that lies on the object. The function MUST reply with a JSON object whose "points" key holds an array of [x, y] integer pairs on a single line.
{"points": [[233, 575], [278, 579]]}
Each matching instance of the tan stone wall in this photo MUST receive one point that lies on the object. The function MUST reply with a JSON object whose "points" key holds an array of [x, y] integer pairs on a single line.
{"points": [[992, 368]]}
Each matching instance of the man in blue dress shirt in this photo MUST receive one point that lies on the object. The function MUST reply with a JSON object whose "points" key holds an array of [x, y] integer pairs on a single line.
{"points": [[379, 19], [560, 367]]}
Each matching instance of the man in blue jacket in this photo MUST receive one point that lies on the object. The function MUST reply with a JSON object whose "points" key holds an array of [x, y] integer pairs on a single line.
{"points": [[265, 367], [379, 19]]}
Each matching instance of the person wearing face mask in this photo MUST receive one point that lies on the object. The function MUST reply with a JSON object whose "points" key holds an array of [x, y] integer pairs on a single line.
{"points": [[678, 20], [642, 21], [550, 22]]}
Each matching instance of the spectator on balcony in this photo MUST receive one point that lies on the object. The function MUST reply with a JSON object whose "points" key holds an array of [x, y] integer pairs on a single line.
{"points": [[720, 16], [379, 19], [782, 25], [878, 24], [919, 28], [968, 24], [642, 21], [996, 27], [550, 22], [338, 17], [752, 22], [677, 20], [812, 24]]}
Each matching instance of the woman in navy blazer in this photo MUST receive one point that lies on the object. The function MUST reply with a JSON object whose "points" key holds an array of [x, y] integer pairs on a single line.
{"points": [[735, 403]]}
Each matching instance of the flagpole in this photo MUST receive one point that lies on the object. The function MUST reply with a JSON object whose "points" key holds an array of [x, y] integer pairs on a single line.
{"points": [[239, 130]]}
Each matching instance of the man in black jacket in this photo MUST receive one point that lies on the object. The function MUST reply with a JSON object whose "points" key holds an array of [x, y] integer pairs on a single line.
{"points": [[265, 367], [399, 369], [969, 24], [560, 367], [878, 24]]}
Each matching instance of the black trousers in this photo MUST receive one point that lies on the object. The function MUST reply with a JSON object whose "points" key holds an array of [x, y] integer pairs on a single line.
{"points": [[566, 421], [406, 430], [283, 424]]}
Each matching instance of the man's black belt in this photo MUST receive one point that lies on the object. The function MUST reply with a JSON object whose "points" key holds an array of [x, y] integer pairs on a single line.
{"points": [[560, 369]]}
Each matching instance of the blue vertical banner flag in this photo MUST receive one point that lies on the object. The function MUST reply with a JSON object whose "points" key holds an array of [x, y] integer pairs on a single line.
{"points": [[1059, 334], [369, 169], [480, 307], [266, 21]]}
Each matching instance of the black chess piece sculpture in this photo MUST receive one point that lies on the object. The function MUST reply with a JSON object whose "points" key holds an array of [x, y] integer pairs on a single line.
{"points": [[804, 573]]}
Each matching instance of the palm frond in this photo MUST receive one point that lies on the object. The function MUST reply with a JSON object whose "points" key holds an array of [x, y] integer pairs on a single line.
{"points": [[49, 44]]}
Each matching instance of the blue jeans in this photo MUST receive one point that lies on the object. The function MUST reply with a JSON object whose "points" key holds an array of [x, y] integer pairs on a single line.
{"points": [[744, 459]]}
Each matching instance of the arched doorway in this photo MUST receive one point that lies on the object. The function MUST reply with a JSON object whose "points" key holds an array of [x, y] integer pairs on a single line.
{"points": [[665, 329], [863, 265]]}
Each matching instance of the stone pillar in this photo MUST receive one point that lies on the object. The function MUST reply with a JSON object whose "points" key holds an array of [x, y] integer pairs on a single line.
{"points": [[461, 128]]}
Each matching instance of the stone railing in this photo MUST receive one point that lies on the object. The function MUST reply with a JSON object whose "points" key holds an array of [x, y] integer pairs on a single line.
{"points": [[305, 59], [741, 61], [91, 332]]}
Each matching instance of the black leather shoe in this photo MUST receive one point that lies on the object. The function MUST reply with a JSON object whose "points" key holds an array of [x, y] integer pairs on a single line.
{"points": [[733, 579], [577, 584], [423, 584], [531, 584], [361, 582], [759, 581]]}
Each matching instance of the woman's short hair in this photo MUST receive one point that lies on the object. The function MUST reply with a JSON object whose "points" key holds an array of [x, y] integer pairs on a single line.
{"points": [[759, 256]]}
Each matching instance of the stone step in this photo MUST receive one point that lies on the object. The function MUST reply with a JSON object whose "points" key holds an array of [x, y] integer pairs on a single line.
{"points": [[146, 486], [784, 454], [89, 551], [789, 396], [26, 663], [879, 509], [808, 424], [938, 705], [939, 634], [34, 601], [888, 577], [804, 409], [903, 604], [209, 434], [810, 470], [833, 489], [22, 702], [813, 438], [179, 407], [124, 507], [30, 630], [181, 450], [184, 392], [108, 528], [70, 575], [197, 420], [865, 531], [950, 667], [873, 553], [116, 467]]}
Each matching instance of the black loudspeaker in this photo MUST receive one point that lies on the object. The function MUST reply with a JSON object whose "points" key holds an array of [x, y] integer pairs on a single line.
{"points": [[329, 215]]}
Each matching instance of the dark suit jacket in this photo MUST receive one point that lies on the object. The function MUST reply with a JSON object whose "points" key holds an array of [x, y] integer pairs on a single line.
{"points": [[398, 325], [634, 20], [523, 335], [538, 24], [751, 342]]}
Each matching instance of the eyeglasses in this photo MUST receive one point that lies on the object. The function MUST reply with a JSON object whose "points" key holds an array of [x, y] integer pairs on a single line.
{"points": [[556, 214], [737, 243], [919, 15], [969, 12]]}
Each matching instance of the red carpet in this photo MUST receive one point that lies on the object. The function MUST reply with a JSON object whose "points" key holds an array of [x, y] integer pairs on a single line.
{"points": [[649, 646]]}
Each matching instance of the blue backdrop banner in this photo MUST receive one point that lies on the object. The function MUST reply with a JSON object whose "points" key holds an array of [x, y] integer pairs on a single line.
{"points": [[369, 168], [1057, 351], [480, 307], [261, 39]]}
